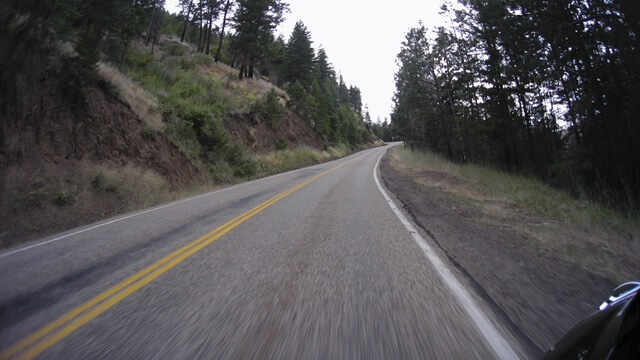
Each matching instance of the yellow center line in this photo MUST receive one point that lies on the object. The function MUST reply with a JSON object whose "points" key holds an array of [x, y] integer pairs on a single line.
{"points": [[72, 320]]}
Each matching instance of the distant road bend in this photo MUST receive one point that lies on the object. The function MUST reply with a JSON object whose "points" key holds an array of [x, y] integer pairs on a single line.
{"points": [[316, 263]]}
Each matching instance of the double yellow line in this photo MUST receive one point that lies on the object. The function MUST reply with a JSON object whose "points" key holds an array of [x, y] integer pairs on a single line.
{"points": [[49, 335]]}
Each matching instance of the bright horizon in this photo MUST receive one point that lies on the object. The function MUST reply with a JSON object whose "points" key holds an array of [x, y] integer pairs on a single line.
{"points": [[361, 40]]}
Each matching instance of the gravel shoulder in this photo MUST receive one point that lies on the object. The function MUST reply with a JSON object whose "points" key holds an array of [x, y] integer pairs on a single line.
{"points": [[539, 295]]}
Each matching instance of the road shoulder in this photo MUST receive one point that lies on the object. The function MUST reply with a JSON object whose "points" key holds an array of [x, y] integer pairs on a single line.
{"points": [[538, 296]]}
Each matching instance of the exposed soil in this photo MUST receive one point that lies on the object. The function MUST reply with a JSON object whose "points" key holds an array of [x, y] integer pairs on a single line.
{"points": [[539, 296], [52, 140], [260, 137]]}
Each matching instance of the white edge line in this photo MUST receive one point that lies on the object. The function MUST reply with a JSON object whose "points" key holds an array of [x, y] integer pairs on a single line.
{"points": [[165, 206], [498, 343]]}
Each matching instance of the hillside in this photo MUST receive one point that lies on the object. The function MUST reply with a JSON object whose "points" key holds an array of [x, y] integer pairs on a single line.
{"points": [[152, 129]]}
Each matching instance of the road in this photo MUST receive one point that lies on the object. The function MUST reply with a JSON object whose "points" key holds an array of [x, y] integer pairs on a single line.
{"points": [[310, 264]]}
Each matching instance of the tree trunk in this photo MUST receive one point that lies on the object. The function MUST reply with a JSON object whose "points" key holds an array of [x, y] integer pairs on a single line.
{"points": [[124, 51], [224, 23], [233, 61], [155, 41], [151, 22], [186, 21], [208, 34], [200, 42]]}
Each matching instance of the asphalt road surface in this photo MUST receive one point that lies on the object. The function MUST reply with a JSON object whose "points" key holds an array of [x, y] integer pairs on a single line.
{"points": [[310, 264]]}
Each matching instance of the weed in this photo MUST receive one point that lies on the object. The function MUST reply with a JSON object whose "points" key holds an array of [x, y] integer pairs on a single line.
{"points": [[61, 197], [282, 144], [36, 197], [102, 183], [148, 134]]}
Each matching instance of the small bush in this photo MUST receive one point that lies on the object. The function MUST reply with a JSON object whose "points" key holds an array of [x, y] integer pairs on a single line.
{"points": [[289, 159], [202, 59], [148, 134], [220, 171], [269, 109], [174, 48], [61, 197], [139, 58], [282, 144], [100, 182], [36, 198]]}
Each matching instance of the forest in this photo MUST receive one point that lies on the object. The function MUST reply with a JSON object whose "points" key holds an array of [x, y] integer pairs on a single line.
{"points": [[549, 89]]}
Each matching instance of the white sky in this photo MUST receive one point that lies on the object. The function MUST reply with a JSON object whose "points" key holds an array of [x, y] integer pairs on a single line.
{"points": [[361, 38]]}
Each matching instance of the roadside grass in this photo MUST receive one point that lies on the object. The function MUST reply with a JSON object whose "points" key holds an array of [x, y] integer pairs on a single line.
{"points": [[588, 234], [290, 159], [524, 192], [136, 187], [143, 103]]}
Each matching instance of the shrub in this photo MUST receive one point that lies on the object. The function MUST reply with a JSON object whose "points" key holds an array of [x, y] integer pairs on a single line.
{"points": [[139, 58], [148, 134], [202, 59], [269, 109], [100, 182], [282, 144], [174, 48], [62, 197]]}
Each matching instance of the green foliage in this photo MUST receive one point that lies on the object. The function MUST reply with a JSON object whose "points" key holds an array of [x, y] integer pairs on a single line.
{"points": [[254, 22], [282, 144], [202, 59], [173, 48], [148, 133], [193, 107], [269, 109], [298, 62], [298, 94], [529, 88]]}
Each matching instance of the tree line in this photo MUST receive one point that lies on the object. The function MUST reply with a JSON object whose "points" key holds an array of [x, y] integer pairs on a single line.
{"points": [[238, 32], [547, 88], [317, 92]]}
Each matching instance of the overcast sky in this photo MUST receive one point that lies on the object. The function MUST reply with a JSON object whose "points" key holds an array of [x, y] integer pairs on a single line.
{"points": [[361, 38]]}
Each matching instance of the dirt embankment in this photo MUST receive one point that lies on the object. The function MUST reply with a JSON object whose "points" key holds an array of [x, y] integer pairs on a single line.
{"points": [[257, 135], [65, 162], [539, 295], [260, 137]]}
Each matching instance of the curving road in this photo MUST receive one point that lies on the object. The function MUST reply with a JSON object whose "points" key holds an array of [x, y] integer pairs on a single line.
{"points": [[310, 264]]}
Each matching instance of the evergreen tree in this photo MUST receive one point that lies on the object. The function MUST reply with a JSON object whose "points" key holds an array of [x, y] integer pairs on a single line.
{"points": [[299, 56], [492, 87], [323, 71], [254, 22]]}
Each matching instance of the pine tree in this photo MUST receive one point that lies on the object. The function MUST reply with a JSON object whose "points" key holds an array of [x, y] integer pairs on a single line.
{"points": [[323, 71], [299, 56], [254, 22], [227, 7]]}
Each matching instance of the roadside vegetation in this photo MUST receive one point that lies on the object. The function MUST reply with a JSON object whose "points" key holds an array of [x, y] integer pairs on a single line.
{"points": [[580, 231], [544, 89], [285, 160], [122, 104]]}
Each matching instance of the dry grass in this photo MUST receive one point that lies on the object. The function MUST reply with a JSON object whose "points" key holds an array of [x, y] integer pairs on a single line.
{"points": [[135, 187], [285, 160], [140, 100], [591, 236], [243, 93]]}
